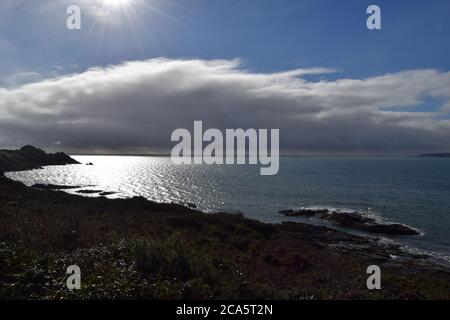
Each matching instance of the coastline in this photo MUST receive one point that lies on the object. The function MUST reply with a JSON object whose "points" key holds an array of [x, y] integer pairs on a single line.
{"points": [[139, 249]]}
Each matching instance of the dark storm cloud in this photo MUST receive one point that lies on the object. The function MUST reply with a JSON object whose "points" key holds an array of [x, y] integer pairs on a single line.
{"points": [[136, 106]]}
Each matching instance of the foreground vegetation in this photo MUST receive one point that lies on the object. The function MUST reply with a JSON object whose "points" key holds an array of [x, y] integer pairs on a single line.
{"points": [[137, 249]]}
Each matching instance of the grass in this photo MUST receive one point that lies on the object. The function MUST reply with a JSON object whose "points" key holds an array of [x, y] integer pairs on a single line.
{"points": [[135, 249]]}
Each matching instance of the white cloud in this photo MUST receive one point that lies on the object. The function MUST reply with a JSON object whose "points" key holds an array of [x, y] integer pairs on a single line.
{"points": [[136, 105]]}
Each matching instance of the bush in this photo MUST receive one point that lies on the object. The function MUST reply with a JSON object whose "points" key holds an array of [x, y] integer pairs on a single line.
{"points": [[165, 259]]}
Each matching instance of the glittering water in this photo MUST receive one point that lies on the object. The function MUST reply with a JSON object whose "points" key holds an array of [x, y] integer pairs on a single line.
{"points": [[412, 191]]}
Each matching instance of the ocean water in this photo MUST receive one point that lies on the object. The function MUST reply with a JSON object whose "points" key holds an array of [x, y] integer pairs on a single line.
{"points": [[411, 191]]}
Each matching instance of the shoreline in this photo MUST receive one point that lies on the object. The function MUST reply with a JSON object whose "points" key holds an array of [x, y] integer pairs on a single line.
{"points": [[140, 249], [307, 241], [398, 240]]}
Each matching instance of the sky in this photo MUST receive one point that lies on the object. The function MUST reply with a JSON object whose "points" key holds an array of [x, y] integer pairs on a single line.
{"points": [[139, 69]]}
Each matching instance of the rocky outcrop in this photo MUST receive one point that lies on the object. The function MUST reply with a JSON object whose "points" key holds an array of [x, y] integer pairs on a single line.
{"points": [[107, 193], [53, 187], [353, 220], [89, 191], [29, 157]]}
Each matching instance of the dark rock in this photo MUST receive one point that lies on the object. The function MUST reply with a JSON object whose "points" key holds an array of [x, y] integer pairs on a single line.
{"points": [[347, 219], [303, 212], [53, 187], [285, 212], [392, 229], [89, 191], [107, 193], [353, 220], [298, 213]]}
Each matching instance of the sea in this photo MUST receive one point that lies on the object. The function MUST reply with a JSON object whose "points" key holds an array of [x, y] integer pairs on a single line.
{"points": [[411, 191]]}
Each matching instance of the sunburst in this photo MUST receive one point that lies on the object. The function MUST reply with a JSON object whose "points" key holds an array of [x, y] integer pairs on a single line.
{"points": [[116, 3]]}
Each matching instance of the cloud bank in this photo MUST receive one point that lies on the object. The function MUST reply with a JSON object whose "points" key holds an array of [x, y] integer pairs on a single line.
{"points": [[135, 106]]}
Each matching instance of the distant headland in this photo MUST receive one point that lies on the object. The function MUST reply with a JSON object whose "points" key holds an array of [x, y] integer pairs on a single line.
{"points": [[30, 157], [435, 155]]}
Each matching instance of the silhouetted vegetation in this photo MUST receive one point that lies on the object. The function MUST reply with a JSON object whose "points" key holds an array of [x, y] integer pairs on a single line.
{"points": [[135, 248]]}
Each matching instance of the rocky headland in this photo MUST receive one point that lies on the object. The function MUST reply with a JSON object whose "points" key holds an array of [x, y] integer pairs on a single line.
{"points": [[29, 157]]}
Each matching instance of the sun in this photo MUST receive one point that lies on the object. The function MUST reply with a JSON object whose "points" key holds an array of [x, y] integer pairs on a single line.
{"points": [[116, 3]]}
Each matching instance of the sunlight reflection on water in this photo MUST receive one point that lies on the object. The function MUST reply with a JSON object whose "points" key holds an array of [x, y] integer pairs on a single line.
{"points": [[411, 191]]}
